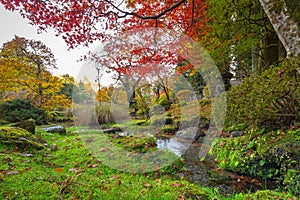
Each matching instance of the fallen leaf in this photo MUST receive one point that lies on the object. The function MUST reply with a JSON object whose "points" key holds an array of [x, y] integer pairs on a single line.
{"points": [[12, 173], [144, 190], [115, 177], [119, 182], [124, 166], [73, 170], [65, 184], [110, 155], [93, 165], [58, 170], [104, 149], [148, 185], [181, 197], [177, 184]]}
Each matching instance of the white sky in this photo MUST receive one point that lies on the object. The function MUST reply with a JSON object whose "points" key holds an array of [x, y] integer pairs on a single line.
{"points": [[12, 24]]}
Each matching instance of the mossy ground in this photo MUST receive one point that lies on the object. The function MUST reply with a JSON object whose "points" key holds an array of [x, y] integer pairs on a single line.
{"points": [[66, 169]]}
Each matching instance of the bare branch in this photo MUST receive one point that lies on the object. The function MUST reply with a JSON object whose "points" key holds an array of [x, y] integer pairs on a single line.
{"points": [[146, 17]]}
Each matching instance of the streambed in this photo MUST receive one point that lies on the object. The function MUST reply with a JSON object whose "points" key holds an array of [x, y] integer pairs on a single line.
{"points": [[205, 172]]}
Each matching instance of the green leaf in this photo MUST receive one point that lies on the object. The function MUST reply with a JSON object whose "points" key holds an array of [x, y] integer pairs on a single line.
{"points": [[262, 162]]}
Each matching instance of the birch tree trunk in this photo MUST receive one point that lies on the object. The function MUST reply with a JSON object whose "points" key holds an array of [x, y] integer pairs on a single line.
{"points": [[284, 25]]}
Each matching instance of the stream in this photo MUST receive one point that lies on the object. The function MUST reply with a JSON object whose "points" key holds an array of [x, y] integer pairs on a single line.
{"points": [[205, 172]]}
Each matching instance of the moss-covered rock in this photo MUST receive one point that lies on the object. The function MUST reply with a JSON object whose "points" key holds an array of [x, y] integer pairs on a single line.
{"points": [[28, 125], [18, 137]]}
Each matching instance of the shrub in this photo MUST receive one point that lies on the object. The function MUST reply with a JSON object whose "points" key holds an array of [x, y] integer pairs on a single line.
{"points": [[104, 114], [59, 116], [270, 99], [19, 109], [18, 137]]}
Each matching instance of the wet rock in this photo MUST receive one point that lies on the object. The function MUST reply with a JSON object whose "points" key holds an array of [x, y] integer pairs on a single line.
{"points": [[188, 133], [55, 129], [237, 133], [199, 135], [112, 130], [28, 125], [203, 124], [123, 134]]}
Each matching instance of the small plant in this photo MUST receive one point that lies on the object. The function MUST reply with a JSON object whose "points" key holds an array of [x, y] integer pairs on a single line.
{"points": [[104, 114]]}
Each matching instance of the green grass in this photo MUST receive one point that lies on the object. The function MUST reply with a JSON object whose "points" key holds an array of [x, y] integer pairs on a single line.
{"points": [[70, 171], [66, 169]]}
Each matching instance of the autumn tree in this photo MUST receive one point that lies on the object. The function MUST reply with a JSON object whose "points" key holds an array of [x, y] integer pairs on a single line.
{"points": [[104, 94], [69, 84], [25, 66]]}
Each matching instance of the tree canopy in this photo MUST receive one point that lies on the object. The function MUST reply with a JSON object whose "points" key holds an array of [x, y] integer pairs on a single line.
{"points": [[25, 70]]}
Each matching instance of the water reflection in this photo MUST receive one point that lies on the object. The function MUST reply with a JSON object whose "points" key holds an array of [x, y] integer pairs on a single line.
{"points": [[175, 145]]}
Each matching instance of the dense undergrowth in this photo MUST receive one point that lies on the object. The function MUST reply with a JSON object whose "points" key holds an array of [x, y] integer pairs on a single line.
{"points": [[270, 156]]}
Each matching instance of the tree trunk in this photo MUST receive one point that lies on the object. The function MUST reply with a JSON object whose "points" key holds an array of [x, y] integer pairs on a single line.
{"points": [[40, 87], [284, 25]]}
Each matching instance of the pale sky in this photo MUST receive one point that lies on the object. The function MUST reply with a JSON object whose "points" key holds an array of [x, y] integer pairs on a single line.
{"points": [[12, 24]]}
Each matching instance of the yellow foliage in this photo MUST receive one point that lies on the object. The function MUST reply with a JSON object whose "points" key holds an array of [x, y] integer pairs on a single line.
{"points": [[21, 77]]}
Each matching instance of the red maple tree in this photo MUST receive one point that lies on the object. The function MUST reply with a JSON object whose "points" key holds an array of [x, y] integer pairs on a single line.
{"points": [[84, 21]]}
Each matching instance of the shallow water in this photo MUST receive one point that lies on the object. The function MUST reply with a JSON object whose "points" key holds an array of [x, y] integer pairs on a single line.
{"points": [[171, 144], [205, 172]]}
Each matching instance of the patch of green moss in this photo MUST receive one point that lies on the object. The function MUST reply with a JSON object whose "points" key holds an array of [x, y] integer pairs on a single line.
{"points": [[14, 136], [269, 195], [136, 144]]}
